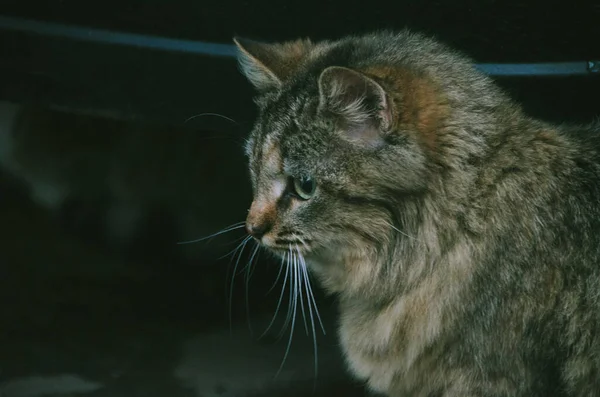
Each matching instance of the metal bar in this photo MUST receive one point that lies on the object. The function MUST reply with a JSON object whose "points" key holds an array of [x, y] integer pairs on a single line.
{"points": [[118, 38], [535, 69], [229, 51]]}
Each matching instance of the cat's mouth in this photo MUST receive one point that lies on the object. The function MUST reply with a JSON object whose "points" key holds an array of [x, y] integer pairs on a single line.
{"points": [[283, 246]]}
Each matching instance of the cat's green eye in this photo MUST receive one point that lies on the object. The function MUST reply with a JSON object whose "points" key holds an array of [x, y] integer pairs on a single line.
{"points": [[304, 187]]}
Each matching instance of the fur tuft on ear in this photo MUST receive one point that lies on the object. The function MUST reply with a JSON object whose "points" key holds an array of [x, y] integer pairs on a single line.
{"points": [[360, 102], [266, 65]]}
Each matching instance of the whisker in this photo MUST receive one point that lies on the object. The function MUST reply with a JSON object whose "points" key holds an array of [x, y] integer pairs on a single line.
{"points": [[300, 275], [248, 265], [278, 274], [312, 320], [210, 114], [312, 295], [233, 227], [248, 274], [287, 272], [287, 350], [235, 250], [291, 295], [401, 232], [252, 268], [239, 255], [302, 241], [236, 247]]}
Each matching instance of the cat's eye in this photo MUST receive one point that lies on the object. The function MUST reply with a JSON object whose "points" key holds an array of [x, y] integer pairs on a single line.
{"points": [[304, 187]]}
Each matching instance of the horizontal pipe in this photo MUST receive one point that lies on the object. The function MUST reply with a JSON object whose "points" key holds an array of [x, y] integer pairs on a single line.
{"points": [[229, 51], [118, 38], [535, 69]]}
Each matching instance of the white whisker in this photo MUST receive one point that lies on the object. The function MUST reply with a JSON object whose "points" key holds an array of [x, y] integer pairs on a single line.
{"points": [[302, 241], [401, 232], [287, 272], [287, 350], [299, 288], [291, 295], [312, 296], [247, 277], [278, 274], [252, 268], [241, 248], [210, 114], [312, 320], [231, 228], [233, 251]]}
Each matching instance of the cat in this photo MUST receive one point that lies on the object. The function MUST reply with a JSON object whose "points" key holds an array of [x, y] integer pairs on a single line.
{"points": [[125, 172], [460, 236]]}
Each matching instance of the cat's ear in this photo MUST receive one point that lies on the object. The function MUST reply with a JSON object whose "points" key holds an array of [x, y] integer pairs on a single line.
{"points": [[267, 65], [360, 103]]}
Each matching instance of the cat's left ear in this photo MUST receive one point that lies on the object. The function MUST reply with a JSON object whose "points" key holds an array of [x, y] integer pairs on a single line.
{"points": [[360, 103], [267, 65]]}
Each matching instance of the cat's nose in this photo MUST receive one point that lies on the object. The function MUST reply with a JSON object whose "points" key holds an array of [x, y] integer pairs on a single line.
{"points": [[257, 229], [260, 219]]}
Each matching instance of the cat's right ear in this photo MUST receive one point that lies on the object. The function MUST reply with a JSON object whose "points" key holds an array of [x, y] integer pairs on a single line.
{"points": [[360, 104], [267, 65]]}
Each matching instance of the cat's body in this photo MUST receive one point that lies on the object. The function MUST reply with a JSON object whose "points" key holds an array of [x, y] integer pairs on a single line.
{"points": [[460, 235]]}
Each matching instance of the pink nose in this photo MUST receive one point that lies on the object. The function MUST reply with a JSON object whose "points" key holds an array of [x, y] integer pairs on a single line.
{"points": [[256, 230], [260, 219]]}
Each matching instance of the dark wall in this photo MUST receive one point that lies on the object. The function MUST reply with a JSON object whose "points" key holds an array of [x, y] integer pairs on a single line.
{"points": [[490, 30], [174, 86]]}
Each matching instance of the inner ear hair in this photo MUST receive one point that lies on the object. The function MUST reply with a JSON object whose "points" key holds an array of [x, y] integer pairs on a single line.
{"points": [[361, 104]]}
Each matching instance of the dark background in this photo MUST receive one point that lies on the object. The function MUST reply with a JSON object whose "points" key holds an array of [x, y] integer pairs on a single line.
{"points": [[491, 30], [174, 86]]}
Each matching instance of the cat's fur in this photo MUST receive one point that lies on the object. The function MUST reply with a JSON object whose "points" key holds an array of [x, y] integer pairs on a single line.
{"points": [[127, 171], [461, 236]]}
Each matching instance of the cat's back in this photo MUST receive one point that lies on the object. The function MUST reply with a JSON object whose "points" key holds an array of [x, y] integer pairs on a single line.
{"points": [[581, 153]]}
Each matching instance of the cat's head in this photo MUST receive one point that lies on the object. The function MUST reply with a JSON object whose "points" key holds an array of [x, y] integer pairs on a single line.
{"points": [[346, 136]]}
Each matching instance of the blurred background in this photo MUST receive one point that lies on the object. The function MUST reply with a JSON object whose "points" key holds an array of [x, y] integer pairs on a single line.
{"points": [[121, 133]]}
